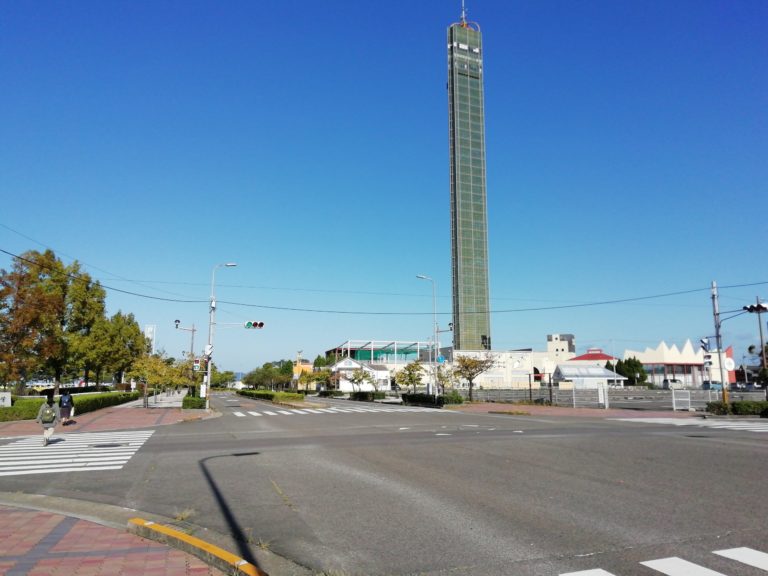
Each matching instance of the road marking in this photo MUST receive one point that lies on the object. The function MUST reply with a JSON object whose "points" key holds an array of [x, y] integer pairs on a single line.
{"points": [[749, 426], [746, 556], [285, 412], [76, 452], [239, 414], [254, 413], [295, 411], [269, 413], [675, 566], [595, 572]]}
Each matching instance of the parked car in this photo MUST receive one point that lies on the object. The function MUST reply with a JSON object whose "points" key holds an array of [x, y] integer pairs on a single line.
{"points": [[672, 384], [707, 385]]}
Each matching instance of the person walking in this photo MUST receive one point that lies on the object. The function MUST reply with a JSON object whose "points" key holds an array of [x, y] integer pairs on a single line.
{"points": [[48, 415], [67, 407]]}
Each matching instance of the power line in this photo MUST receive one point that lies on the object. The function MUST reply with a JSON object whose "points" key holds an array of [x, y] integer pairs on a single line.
{"points": [[374, 313]]}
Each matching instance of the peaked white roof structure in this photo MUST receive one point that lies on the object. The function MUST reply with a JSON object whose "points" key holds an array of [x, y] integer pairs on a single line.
{"points": [[664, 354]]}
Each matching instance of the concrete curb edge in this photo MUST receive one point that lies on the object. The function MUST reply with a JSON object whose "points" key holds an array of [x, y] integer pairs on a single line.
{"points": [[209, 553]]}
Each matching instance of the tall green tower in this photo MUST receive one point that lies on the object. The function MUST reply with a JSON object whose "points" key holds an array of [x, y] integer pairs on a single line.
{"points": [[469, 222]]}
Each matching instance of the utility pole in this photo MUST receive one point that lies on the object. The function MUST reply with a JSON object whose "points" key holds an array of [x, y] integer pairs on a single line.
{"points": [[719, 340]]}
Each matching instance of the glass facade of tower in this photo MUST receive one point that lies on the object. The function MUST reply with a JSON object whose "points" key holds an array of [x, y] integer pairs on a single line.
{"points": [[469, 230]]}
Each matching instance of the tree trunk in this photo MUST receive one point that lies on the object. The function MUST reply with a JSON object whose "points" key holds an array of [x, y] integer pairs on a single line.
{"points": [[471, 386]]}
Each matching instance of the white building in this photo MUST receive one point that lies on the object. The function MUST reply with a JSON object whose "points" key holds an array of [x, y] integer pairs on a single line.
{"points": [[344, 368]]}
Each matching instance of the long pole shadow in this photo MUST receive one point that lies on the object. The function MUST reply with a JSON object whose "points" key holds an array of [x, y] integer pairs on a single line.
{"points": [[237, 531]]}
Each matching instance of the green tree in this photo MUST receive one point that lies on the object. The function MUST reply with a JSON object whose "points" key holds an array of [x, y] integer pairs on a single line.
{"points": [[321, 362], [410, 375], [469, 368], [359, 377], [631, 368]]}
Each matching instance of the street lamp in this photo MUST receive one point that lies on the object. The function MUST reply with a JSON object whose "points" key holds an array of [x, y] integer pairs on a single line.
{"points": [[211, 324], [435, 344]]}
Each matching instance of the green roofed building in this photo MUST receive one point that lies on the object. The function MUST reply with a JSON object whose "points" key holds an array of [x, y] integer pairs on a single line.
{"points": [[469, 230]]}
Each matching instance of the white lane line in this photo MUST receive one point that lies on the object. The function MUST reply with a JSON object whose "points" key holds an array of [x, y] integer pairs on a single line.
{"points": [[48, 471], [675, 566], [746, 556], [595, 572], [254, 413], [238, 414]]}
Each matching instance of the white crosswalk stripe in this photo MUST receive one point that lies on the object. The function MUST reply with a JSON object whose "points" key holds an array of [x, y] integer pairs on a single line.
{"points": [[338, 410], [71, 452], [746, 556], [744, 425], [675, 566]]}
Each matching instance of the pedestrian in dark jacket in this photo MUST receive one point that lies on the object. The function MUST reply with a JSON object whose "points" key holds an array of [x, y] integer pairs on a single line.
{"points": [[67, 407], [48, 416]]}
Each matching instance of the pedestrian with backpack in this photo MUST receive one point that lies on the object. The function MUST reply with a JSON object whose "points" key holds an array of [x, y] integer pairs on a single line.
{"points": [[66, 407], [48, 415]]}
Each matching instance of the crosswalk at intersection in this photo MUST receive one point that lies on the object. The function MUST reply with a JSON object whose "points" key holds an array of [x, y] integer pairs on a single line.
{"points": [[278, 411], [675, 566], [71, 452]]}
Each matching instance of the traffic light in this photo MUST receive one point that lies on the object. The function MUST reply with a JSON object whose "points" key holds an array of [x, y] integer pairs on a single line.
{"points": [[196, 365], [705, 344], [755, 308], [254, 324], [707, 360]]}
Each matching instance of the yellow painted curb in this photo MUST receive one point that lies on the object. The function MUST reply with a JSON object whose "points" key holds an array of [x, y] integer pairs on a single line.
{"points": [[225, 561]]}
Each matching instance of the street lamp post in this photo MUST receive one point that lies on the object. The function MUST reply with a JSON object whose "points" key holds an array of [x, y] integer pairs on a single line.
{"points": [[435, 329], [211, 324]]}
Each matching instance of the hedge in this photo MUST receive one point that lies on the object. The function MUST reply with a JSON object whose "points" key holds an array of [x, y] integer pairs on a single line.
{"points": [[453, 397], [742, 408], [193, 403], [368, 396], [276, 397], [330, 393], [423, 400], [27, 408]]}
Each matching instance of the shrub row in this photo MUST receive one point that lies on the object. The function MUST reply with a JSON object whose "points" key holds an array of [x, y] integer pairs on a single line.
{"points": [[453, 397], [742, 408], [276, 397], [330, 393], [27, 408], [423, 400], [193, 403], [368, 396]]}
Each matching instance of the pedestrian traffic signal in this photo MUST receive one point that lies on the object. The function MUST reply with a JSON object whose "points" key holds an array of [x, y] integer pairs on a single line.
{"points": [[196, 365], [707, 360], [254, 324]]}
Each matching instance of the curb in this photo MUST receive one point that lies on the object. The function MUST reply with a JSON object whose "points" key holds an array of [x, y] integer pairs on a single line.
{"points": [[208, 553]]}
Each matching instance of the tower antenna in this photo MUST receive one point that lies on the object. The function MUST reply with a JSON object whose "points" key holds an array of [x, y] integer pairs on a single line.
{"points": [[463, 13]]}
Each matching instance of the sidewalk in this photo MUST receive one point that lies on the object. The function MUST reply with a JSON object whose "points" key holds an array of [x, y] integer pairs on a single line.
{"points": [[46, 535], [162, 410]]}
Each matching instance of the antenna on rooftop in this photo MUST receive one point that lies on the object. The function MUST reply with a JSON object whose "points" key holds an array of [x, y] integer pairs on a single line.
{"points": [[463, 13]]}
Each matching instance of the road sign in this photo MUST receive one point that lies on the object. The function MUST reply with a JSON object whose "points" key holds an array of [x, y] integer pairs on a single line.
{"points": [[729, 364], [440, 359]]}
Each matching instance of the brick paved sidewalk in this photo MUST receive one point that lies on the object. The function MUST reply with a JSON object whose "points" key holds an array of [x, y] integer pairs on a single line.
{"points": [[33, 542], [112, 418]]}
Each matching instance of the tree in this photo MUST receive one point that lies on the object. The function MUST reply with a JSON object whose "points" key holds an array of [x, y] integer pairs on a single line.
{"points": [[631, 368], [410, 375], [360, 376], [321, 362], [445, 378], [469, 368]]}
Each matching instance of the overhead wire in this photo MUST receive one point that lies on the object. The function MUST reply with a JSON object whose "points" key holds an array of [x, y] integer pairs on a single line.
{"points": [[391, 313]]}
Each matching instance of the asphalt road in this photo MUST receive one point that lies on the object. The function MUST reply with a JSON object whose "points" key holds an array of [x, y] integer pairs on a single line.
{"points": [[437, 492]]}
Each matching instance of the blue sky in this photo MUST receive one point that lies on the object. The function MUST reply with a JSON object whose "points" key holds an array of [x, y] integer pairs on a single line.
{"points": [[308, 142]]}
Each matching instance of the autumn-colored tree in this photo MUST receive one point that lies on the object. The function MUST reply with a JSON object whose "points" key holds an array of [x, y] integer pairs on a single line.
{"points": [[410, 375], [469, 368], [359, 377]]}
